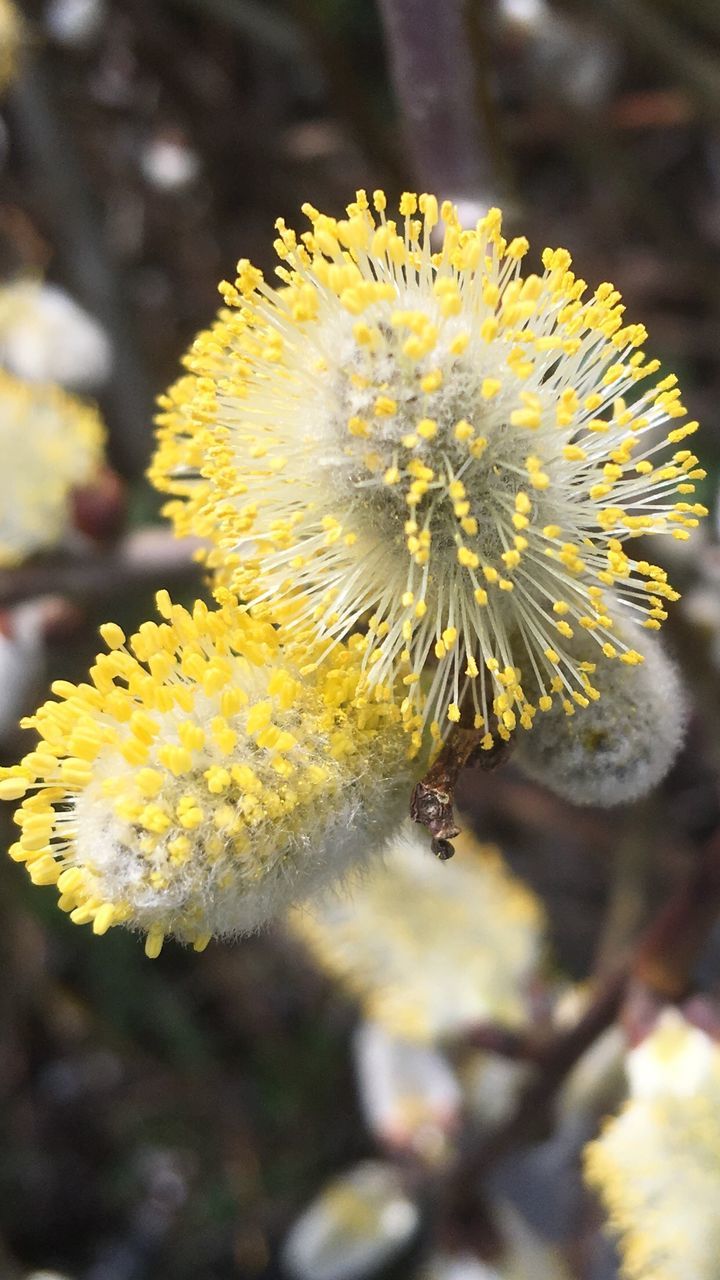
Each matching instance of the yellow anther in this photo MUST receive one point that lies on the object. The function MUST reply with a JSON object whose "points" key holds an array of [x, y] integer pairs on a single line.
{"points": [[467, 558], [463, 430], [385, 407], [427, 428], [573, 453], [528, 418], [113, 635], [431, 382]]}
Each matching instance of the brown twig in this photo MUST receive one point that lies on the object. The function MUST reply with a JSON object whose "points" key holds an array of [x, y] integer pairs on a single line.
{"points": [[627, 909], [516, 1046], [146, 557], [432, 803], [670, 948], [555, 1060]]}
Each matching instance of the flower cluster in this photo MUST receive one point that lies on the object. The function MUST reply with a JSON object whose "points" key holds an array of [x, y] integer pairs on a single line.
{"points": [[51, 443], [409, 437], [431, 951], [420, 471], [657, 1165], [202, 781], [410, 1097]]}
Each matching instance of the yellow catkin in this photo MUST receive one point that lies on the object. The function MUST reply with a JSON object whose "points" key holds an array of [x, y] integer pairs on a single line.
{"points": [[656, 1166], [407, 423], [201, 781], [430, 950]]}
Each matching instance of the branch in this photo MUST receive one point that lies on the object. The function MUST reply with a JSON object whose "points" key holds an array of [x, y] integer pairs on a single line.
{"points": [[665, 41], [516, 1046], [627, 909], [479, 1153], [145, 557], [433, 799], [670, 948], [55, 175], [441, 97]]}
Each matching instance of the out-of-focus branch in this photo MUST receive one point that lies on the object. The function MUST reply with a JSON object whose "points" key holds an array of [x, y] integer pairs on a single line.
{"points": [[441, 96], [56, 178], [348, 96], [660, 970], [456, 1190], [627, 908], [669, 950], [146, 557], [665, 41], [516, 1046], [275, 30], [555, 1061]]}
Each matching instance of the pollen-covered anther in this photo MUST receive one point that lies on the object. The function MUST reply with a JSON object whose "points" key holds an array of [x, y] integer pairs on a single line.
{"points": [[484, 443]]}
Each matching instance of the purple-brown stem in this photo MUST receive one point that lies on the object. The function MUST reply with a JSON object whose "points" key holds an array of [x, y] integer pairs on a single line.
{"points": [[436, 81]]}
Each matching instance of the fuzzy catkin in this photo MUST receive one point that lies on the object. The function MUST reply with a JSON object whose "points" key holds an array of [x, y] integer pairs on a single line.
{"points": [[413, 437], [46, 336], [203, 782], [656, 1166], [431, 949], [621, 745]]}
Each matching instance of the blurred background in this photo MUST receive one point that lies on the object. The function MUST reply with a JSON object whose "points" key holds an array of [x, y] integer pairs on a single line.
{"points": [[172, 1120]]}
